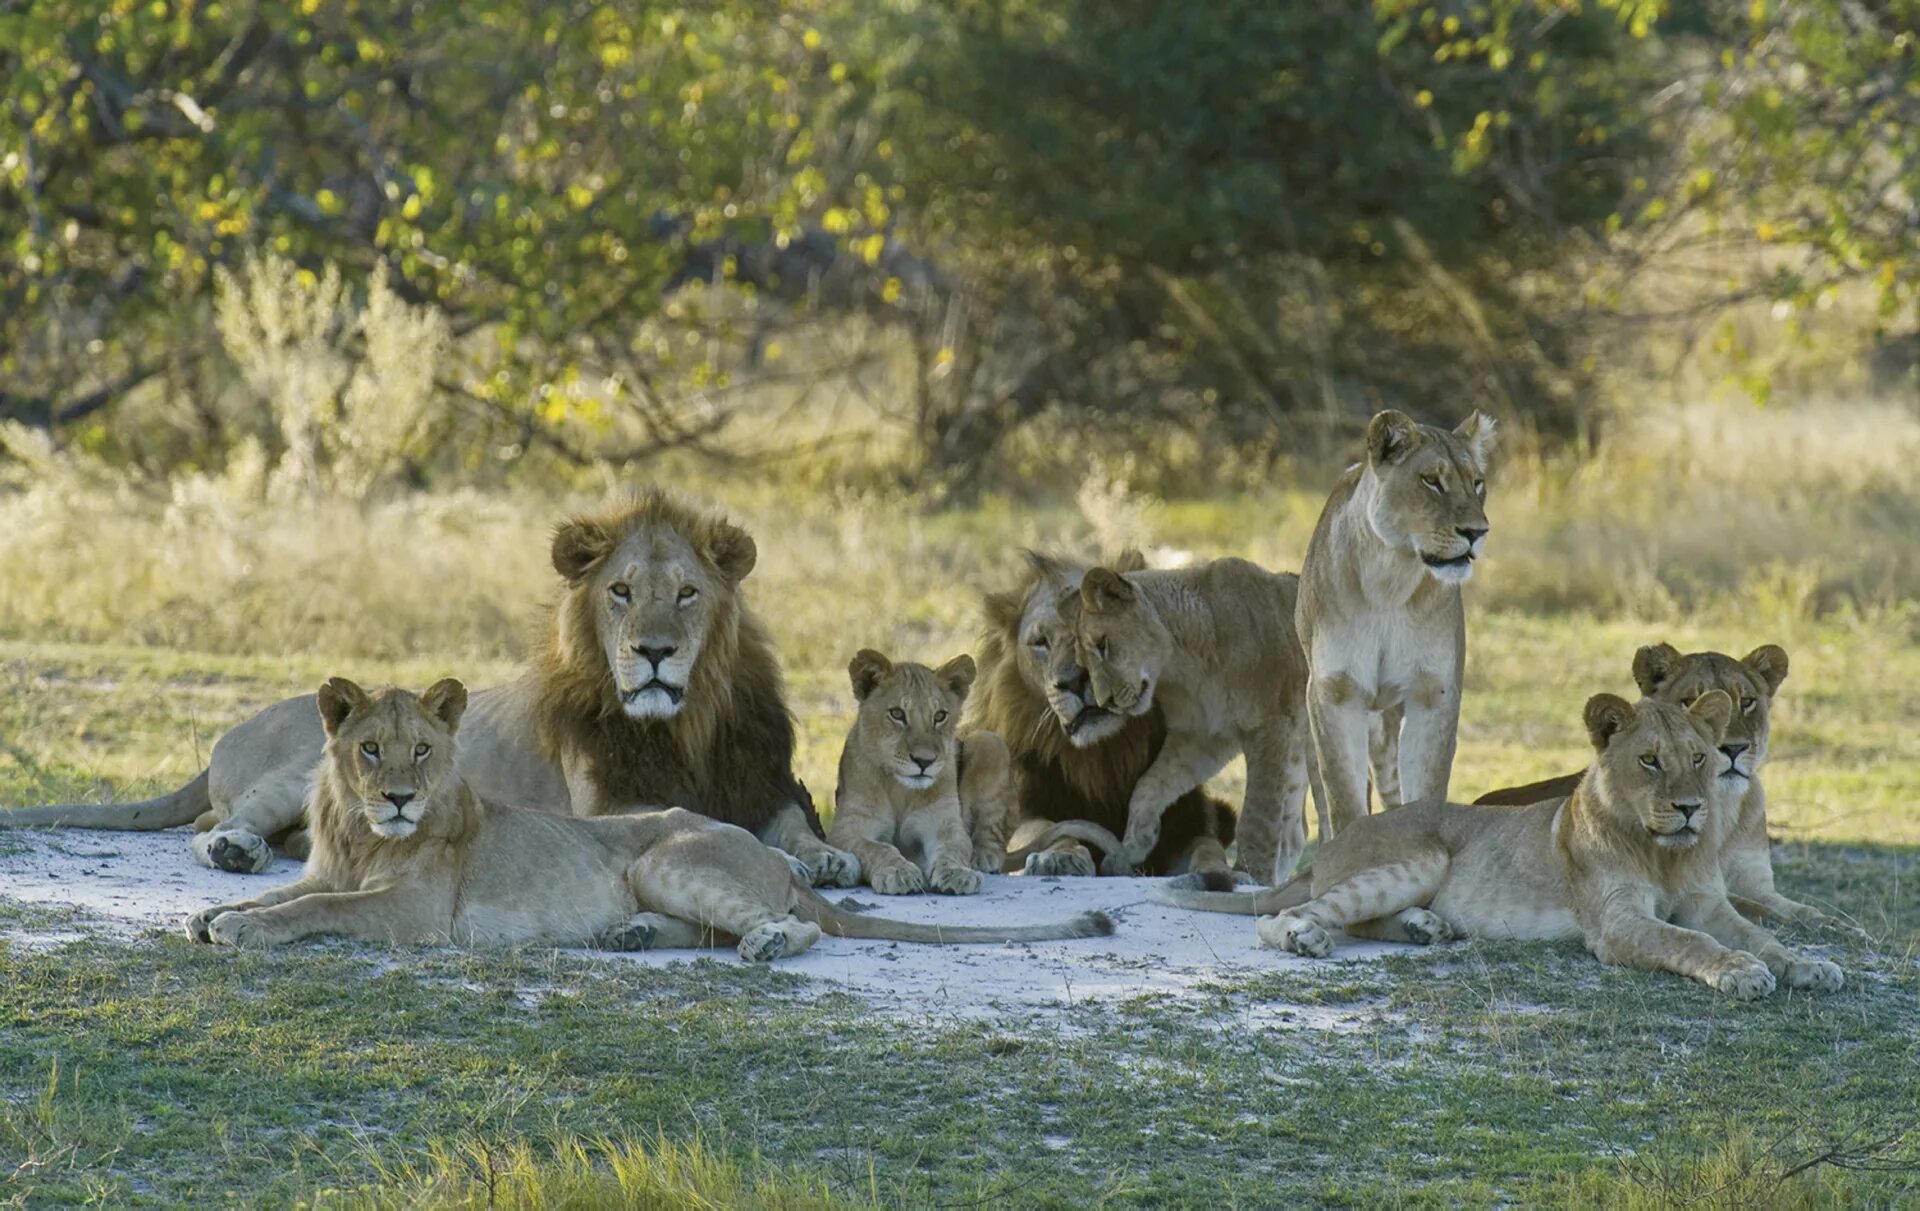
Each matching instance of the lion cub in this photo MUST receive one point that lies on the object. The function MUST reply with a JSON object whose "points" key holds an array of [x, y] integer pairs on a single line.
{"points": [[1629, 864], [404, 852], [907, 783], [1214, 647]]}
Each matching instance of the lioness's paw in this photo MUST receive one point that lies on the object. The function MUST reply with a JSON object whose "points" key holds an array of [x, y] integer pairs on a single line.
{"points": [[197, 923], [953, 879], [637, 934], [897, 879], [1209, 880], [1072, 862], [1425, 927], [830, 867], [988, 859], [240, 852], [800, 869], [236, 929], [1741, 976], [1815, 975], [1119, 862], [763, 943], [1296, 935]]}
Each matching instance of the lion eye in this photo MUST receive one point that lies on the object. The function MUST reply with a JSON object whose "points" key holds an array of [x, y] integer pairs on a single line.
{"points": [[1432, 482], [939, 716], [620, 592], [1699, 759], [1747, 705], [1650, 761], [1100, 649], [688, 593], [420, 751], [897, 715], [371, 750], [1480, 486]]}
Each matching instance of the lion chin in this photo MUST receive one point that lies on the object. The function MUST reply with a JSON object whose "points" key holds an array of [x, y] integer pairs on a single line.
{"points": [[655, 700], [1458, 570], [1684, 839]]}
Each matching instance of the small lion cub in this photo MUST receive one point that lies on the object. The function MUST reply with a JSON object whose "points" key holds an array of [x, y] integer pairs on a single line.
{"points": [[908, 785]]}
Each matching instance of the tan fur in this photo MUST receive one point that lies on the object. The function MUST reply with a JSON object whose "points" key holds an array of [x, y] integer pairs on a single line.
{"points": [[1074, 764], [908, 783], [562, 737], [1213, 648], [1629, 864], [404, 852], [1663, 672], [1380, 615]]}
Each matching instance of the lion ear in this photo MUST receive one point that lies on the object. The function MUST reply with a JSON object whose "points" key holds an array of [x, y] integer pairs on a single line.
{"points": [[1105, 589], [1390, 436], [1129, 560], [1711, 713], [732, 550], [1478, 432], [1047, 567], [446, 700], [339, 698], [957, 675], [1654, 666], [1003, 610], [866, 670], [1769, 663], [579, 546], [1607, 716]]}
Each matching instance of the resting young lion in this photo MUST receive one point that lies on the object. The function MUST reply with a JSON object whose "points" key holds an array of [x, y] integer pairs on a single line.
{"points": [[1662, 672], [907, 783], [403, 851], [1629, 863], [1074, 764], [656, 685], [1380, 614], [1213, 646]]}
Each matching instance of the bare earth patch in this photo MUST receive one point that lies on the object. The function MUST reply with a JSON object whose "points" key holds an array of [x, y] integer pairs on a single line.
{"points": [[131, 882]]}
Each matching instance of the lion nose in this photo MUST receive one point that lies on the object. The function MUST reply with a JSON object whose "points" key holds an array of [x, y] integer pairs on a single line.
{"points": [[1733, 751], [655, 656], [1686, 810], [1472, 534], [1066, 685], [924, 762], [399, 798]]}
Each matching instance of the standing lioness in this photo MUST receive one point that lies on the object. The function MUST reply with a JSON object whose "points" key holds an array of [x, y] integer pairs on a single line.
{"points": [[1629, 863], [404, 852], [1380, 614]]}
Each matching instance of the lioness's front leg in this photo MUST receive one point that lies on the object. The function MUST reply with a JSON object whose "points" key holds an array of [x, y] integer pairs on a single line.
{"points": [[1339, 726], [1184, 763], [1428, 738], [867, 833], [986, 798], [197, 923], [1714, 915], [1629, 935], [827, 866], [943, 838], [1273, 817], [388, 915]]}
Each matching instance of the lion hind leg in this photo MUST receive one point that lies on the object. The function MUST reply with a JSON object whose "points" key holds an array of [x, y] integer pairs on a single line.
{"points": [[1382, 891], [1414, 926], [780, 939], [657, 931]]}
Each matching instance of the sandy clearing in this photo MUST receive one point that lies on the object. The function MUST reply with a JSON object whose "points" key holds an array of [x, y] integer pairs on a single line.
{"points": [[131, 882]]}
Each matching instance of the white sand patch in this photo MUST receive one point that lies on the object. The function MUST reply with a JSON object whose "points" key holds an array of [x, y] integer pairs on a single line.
{"points": [[130, 882]]}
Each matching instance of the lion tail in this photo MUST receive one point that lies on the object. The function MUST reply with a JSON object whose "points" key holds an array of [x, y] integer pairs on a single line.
{"points": [[166, 811], [1086, 831], [843, 924], [1265, 902]]}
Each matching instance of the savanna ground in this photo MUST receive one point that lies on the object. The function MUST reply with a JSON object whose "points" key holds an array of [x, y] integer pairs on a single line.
{"points": [[134, 628]]}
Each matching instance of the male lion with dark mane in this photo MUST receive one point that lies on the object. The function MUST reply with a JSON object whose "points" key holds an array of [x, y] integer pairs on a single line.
{"points": [[655, 686], [1072, 760]]}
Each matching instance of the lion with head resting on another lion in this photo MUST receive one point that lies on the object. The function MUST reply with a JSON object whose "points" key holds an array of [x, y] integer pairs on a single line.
{"points": [[404, 852], [655, 685], [1629, 863]]}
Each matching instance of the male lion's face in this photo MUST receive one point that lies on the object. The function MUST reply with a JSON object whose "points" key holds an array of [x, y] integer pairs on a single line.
{"points": [[1049, 657], [1662, 672], [391, 751], [657, 597], [1121, 640], [908, 713], [1430, 490], [1659, 761]]}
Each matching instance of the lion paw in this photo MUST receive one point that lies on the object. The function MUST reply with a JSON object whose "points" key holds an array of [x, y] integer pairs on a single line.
{"points": [[1815, 975], [829, 867], [1119, 862], [1741, 976], [763, 943], [242, 853], [988, 859], [1424, 927], [236, 929], [198, 923], [1296, 935], [1209, 880], [1073, 862], [637, 934], [898, 879], [953, 879]]}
